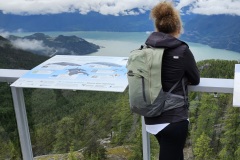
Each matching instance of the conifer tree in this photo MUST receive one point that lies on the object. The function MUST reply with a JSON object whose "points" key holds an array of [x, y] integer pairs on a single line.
{"points": [[202, 149], [231, 140], [65, 132]]}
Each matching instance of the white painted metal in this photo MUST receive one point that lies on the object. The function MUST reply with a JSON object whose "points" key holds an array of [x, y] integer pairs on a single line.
{"points": [[11, 75], [22, 123], [213, 85], [145, 141], [236, 90]]}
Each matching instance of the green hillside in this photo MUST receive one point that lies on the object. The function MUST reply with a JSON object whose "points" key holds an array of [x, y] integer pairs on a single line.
{"points": [[215, 124], [99, 125], [60, 45], [12, 58]]}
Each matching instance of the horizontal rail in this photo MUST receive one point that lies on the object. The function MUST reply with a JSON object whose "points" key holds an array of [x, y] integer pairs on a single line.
{"points": [[206, 84], [11, 75], [213, 85]]}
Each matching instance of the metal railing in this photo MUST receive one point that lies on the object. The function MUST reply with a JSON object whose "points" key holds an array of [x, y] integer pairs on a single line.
{"points": [[213, 85]]}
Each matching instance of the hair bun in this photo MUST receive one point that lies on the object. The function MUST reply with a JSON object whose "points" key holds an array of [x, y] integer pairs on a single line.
{"points": [[162, 10], [166, 18]]}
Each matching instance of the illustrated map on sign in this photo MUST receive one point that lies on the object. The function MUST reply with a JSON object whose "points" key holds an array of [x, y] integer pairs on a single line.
{"points": [[78, 73]]}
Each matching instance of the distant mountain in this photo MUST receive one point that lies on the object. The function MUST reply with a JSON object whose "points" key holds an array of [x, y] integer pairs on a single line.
{"points": [[75, 22], [12, 58], [49, 46], [219, 31]]}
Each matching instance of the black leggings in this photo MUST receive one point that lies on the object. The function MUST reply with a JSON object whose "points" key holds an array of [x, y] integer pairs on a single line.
{"points": [[171, 140]]}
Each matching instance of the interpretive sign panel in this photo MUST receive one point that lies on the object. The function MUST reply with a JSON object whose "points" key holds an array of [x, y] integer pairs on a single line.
{"points": [[236, 89], [98, 73]]}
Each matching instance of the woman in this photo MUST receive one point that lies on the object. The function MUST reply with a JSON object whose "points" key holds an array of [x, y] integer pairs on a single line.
{"points": [[171, 127]]}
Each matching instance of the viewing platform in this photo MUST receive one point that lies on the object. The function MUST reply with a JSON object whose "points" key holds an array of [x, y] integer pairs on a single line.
{"points": [[210, 85]]}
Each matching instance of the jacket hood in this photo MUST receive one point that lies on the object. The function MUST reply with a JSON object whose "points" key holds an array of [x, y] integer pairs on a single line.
{"points": [[162, 40]]}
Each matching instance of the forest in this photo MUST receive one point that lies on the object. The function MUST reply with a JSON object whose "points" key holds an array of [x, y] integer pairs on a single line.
{"points": [[93, 125]]}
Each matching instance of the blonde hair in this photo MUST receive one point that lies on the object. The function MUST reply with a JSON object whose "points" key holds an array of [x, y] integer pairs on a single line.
{"points": [[166, 18]]}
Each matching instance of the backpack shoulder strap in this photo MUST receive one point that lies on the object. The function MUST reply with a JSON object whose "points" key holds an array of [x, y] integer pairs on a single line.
{"points": [[185, 93], [184, 90], [175, 85]]}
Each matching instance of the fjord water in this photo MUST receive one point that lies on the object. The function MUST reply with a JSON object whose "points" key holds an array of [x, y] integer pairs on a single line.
{"points": [[122, 43]]}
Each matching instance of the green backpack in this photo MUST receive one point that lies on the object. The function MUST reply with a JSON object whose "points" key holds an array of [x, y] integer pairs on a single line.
{"points": [[145, 87]]}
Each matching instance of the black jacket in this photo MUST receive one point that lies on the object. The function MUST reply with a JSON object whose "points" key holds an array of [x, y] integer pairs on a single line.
{"points": [[178, 61]]}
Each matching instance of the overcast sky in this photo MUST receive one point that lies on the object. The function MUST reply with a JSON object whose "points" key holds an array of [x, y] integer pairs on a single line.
{"points": [[115, 7]]}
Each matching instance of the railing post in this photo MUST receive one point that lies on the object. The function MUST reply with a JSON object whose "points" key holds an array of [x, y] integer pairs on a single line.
{"points": [[22, 123], [145, 141], [9, 75]]}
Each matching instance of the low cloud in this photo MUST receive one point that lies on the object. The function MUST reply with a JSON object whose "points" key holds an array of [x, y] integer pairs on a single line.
{"points": [[31, 45], [115, 7], [37, 47], [211, 7], [4, 33]]}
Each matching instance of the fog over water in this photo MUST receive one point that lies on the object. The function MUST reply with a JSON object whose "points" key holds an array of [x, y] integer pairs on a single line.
{"points": [[122, 43]]}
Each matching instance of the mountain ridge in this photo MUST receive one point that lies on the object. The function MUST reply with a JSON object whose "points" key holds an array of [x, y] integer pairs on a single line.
{"points": [[49, 46], [218, 31], [12, 58]]}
